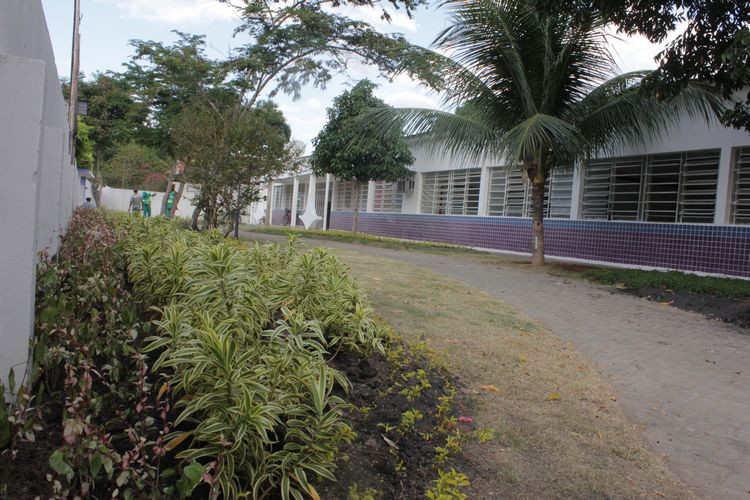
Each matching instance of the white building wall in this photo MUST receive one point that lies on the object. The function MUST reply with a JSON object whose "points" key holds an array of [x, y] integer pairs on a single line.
{"points": [[38, 174]]}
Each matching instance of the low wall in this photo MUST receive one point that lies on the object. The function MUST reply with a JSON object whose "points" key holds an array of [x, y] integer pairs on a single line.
{"points": [[119, 199], [689, 247]]}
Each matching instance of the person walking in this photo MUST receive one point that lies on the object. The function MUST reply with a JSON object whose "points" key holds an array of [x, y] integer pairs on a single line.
{"points": [[146, 198], [136, 203]]}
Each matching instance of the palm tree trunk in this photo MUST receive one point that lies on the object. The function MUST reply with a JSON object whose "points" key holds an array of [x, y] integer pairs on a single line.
{"points": [[537, 221], [357, 194]]}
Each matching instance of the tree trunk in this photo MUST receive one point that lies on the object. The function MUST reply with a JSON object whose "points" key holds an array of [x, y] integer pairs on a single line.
{"points": [[169, 188], [196, 214], [357, 195], [96, 186], [537, 220], [177, 197], [269, 206]]}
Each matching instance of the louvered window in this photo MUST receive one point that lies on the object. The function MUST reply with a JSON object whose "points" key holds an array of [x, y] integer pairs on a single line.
{"points": [[345, 196], [301, 197], [662, 183], [452, 192], [698, 180], [286, 196], [320, 197], [511, 196], [387, 197], [278, 200], [560, 194], [673, 187], [741, 186]]}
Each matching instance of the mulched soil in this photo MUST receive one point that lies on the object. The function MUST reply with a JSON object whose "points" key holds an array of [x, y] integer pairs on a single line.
{"points": [[727, 309], [370, 461], [26, 476]]}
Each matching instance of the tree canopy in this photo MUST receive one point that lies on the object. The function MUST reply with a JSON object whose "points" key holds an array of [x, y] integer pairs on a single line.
{"points": [[714, 46], [229, 151], [352, 150]]}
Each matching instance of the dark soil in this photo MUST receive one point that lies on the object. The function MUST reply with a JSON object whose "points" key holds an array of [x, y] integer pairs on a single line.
{"points": [[26, 476], [370, 461], [728, 309]]}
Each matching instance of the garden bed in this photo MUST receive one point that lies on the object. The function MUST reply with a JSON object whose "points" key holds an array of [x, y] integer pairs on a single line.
{"points": [[726, 299], [179, 364]]}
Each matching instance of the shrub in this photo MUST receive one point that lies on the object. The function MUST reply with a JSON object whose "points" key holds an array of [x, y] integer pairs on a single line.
{"points": [[244, 339]]}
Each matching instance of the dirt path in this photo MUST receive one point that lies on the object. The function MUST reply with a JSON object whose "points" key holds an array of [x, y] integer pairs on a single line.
{"points": [[684, 378]]}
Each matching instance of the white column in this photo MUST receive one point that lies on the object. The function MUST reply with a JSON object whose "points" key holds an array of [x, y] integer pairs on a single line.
{"points": [[22, 87], [312, 185], [484, 191], [418, 181], [724, 186], [326, 199], [295, 192], [576, 196], [370, 196]]}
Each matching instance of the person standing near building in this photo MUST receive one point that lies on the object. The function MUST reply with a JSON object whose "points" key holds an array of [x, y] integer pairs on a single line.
{"points": [[146, 198], [136, 202]]}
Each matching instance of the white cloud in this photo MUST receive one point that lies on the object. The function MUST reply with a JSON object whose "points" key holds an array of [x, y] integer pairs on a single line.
{"points": [[373, 16], [173, 11], [409, 100]]}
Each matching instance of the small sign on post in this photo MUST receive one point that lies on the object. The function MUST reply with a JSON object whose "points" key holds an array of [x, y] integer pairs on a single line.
{"points": [[82, 108]]}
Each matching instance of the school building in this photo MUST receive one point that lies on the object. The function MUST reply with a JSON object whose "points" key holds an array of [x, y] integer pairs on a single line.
{"points": [[679, 202]]}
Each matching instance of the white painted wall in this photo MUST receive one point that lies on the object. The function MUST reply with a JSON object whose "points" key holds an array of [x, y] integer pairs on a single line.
{"points": [[37, 194], [119, 199]]}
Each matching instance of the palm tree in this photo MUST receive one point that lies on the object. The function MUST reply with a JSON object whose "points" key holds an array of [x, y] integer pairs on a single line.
{"points": [[537, 88]]}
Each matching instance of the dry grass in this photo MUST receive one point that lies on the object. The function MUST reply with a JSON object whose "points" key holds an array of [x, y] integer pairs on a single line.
{"points": [[577, 446]]}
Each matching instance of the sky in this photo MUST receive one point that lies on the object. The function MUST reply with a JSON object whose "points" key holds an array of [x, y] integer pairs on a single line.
{"points": [[108, 25]]}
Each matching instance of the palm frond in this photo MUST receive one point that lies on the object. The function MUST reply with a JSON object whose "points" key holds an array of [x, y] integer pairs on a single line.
{"points": [[440, 132], [540, 134], [621, 112]]}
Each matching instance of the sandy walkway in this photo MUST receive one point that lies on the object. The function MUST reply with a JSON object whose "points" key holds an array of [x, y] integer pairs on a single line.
{"points": [[684, 378]]}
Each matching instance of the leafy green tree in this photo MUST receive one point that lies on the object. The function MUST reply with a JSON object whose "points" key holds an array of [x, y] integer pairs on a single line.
{"points": [[132, 164], [166, 79], [714, 46], [538, 90], [291, 44], [113, 118], [357, 153], [84, 145], [229, 151]]}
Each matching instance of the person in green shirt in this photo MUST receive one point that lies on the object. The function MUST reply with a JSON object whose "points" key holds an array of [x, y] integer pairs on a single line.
{"points": [[146, 196], [170, 201]]}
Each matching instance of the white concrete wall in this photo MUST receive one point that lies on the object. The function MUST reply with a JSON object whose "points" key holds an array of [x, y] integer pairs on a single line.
{"points": [[118, 199], [37, 194]]}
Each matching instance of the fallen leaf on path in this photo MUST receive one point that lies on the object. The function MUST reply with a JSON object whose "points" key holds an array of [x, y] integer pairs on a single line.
{"points": [[522, 358], [553, 396], [489, 388], [451, 342], [389, 442], [376, 278], [613, 398], [659, 493]]}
